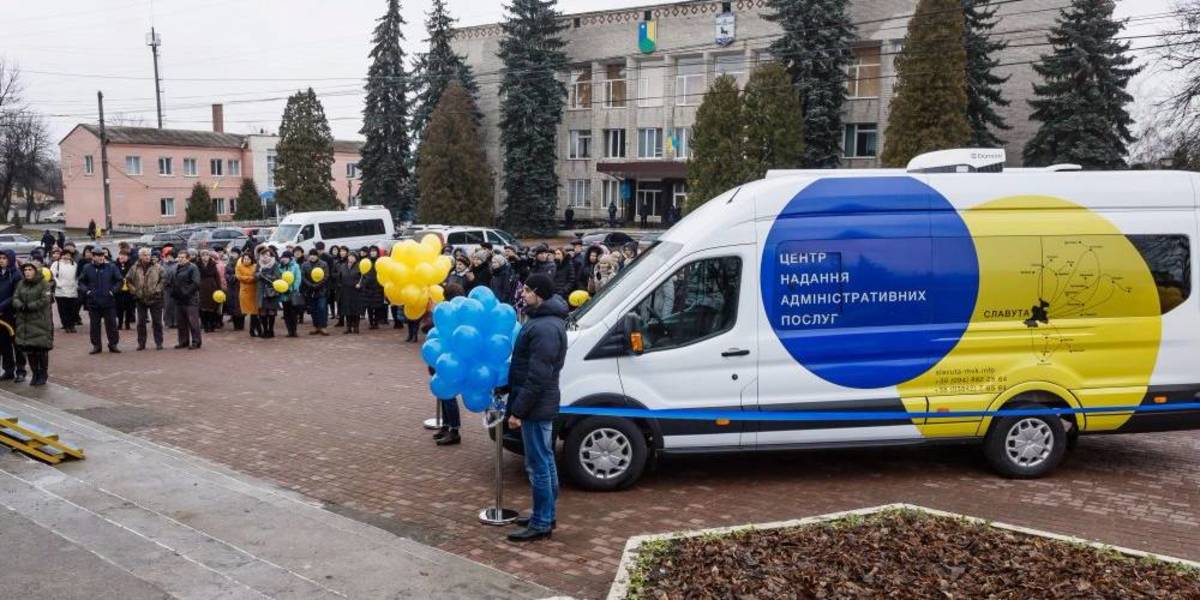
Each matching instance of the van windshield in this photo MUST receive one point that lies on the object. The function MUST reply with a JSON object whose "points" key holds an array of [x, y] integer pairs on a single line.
{"points": [[285, 233], [643, 267]]}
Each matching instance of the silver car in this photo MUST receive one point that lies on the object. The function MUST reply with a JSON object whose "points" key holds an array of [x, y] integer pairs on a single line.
{"points": [[18, 243]]}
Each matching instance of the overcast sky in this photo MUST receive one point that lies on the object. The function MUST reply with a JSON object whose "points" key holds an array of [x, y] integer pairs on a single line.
{"points": [[240, 52]]}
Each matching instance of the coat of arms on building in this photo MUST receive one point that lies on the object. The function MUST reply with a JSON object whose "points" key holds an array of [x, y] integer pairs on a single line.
{"points": [[647, 36], [726, 26]]}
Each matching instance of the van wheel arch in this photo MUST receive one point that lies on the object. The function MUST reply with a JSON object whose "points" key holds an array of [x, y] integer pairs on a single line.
{"points": [[1029, 447], [649, 427]]}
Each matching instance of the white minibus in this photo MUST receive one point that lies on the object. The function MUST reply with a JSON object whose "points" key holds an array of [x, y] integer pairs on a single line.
{"points": [[954, 301], [354, 227]]}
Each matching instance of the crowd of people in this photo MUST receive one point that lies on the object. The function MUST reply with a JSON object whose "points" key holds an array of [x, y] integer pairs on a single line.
{"points": [[247, 288], [200, 292]]}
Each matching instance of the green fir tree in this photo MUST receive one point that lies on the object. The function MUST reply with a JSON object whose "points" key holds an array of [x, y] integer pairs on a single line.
{"points": [[815, 48], [983, 85], [531, 108], [718, 156], [200, 207], [386, 162], [1081, 102], [249, 204], [774, 122], [304, 157], [929, 108], [455, 182], [438, 67]]}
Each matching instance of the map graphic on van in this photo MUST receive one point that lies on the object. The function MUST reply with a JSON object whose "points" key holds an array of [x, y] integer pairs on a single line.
{"points": [[881, 269]]}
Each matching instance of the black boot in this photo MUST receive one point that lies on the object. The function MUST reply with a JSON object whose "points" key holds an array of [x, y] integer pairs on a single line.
{"points": [[441, 433], [20, 375], [451, 438]]}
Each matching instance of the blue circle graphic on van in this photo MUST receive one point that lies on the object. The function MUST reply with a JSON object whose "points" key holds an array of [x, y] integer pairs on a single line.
{"points": [[869, 282]]}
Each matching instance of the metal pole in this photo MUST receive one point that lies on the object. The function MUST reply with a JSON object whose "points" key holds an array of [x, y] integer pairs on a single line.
{"points": [[104, 164], [436, 421], [154, 42], [498, 515]]}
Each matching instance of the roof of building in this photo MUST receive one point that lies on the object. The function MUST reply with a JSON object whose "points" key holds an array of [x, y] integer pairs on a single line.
{"points": [[151, 136], [193, 138]]}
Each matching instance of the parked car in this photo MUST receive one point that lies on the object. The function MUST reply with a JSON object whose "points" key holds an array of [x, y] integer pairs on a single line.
{"points": [[18, 243], [468, 239], [610, 239], [216, 239], [57, 216], [156, 241]]}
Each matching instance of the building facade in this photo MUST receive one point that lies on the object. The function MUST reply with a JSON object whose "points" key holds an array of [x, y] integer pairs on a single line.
{"points": [[152, 171], [638, 75]]}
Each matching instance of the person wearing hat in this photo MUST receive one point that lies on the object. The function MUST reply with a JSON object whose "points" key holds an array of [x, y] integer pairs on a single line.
{"points": [[185, 290], [146, 282], [169, 265], [98, 287], [542, 261], [34, 327], [315, 292], [534, 395], [11, 356], [66, 289]]}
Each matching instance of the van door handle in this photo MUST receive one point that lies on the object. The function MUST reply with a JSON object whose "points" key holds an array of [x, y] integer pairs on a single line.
{"points": [[735, 352]]}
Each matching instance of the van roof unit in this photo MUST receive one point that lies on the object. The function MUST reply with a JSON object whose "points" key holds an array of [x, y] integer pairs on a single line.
{"points": [[959, 160]]}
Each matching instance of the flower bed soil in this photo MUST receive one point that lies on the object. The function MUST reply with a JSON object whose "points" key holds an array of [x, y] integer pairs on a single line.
{"points": [[897, 554]]}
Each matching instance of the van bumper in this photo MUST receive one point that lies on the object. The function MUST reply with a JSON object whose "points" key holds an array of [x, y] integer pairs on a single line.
{"points": [[1165, 420]]}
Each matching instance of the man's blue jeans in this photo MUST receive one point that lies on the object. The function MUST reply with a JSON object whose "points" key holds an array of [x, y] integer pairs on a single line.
{"points": [[543, 474], [318, 307]]}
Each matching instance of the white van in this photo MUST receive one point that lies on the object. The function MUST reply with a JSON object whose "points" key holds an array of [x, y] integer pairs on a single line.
{"points": [[353, 227], [821, 309]]}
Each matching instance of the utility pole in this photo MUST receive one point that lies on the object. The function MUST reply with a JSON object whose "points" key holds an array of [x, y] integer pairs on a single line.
{"points": [[104, 164], [154, 41]]}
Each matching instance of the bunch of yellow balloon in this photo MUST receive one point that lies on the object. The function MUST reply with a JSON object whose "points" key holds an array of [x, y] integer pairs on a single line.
{"points": [[411, 277]]}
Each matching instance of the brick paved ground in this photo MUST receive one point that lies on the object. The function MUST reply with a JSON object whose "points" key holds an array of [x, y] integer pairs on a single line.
{"points": [[338, 419]]}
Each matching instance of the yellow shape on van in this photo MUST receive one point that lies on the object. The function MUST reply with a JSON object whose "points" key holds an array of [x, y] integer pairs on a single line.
{"points": [[1066, 304]]}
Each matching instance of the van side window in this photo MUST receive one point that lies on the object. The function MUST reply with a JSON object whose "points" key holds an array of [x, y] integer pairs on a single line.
{"points": [[465, 237], [347, 229], [696, 302], [1170, 260], [306, 233]]}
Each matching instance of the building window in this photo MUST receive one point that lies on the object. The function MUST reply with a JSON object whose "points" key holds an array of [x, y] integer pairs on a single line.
{"points": [[89, 165], [614, 143], [860, 140], [611, 190], [681, 142], [679, 195], [133, 165], [650, 142], [219, 205], [863, 73], [232, 205], [164, 165], [581, 144], [580, 191], [351, 170], [650, 83], [234, 167], [189, 167], [733, 65], [689, 81], [214, 167], [270, 172], [614, 86], [166, 207], [580, 92]]}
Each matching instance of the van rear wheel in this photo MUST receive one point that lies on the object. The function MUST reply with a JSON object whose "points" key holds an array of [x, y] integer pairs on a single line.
{"points": [[1025, 447], [605, 453]]}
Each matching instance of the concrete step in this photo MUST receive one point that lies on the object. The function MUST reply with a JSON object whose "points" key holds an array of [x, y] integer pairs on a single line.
{"points": [[198, 530]]}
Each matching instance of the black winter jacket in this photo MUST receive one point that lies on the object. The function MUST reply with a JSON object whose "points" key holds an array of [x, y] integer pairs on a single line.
{"points": [[9, 278], [537, 360], [185, 286], [99, 285]]}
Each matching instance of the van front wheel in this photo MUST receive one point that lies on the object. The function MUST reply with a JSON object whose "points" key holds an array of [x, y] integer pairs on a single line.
{"points": [[1025, 447], [605, 453]]}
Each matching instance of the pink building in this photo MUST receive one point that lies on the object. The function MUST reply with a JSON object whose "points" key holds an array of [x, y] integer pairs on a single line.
{"points": [[152, 171]]}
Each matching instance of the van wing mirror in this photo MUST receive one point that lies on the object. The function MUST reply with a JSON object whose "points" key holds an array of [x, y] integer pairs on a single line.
{"points": [[631, 326]]}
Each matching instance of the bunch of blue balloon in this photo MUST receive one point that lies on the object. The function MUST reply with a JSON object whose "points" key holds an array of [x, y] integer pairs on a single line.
{"points": [[470, 347]]}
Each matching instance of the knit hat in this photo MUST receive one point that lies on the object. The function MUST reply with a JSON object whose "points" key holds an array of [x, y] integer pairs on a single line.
{"points": [[541, 284]]}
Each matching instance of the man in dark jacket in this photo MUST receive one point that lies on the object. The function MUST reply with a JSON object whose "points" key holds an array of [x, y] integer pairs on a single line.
{"points": [[10, 355], [537, 360], [185, 290], [542, 261], [98, 287], [47, 242]]}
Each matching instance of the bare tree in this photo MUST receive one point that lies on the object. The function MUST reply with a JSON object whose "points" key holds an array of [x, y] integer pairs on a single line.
{"points": [[1181, 53], [10, 87]]}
